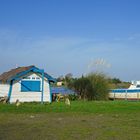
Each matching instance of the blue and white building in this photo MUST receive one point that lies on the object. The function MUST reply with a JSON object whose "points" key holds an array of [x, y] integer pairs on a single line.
{"points": [[26, 84], [132, 93]]}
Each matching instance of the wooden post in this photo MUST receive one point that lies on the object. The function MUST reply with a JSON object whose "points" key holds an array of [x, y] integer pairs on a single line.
{"points": [[50, 92]]}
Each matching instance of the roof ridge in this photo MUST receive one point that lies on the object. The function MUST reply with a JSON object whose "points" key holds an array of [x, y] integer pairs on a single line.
{"points": [[6, 75]]}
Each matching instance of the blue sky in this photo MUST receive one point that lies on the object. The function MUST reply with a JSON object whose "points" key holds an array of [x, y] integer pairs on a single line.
{"points": [[70, 36]]}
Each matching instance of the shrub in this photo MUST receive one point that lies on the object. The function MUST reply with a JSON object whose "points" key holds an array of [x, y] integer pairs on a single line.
{"points": [[100, 86], [73, 97], [92, 87]]}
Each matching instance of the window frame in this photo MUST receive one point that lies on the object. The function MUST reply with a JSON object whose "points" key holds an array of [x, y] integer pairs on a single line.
{"points": [[30, 85]]}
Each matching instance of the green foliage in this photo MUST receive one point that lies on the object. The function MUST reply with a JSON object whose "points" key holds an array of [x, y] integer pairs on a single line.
{"points": [[73, 97], [115, 80], [115, 83], [100, 86], [92, 87], [60, 78], [82, 86]]}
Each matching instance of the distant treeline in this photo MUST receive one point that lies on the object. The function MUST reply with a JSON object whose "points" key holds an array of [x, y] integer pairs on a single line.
{"points": [[94, 86]]}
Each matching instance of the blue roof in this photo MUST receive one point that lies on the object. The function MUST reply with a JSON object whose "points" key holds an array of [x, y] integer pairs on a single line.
{"points": [[62, 90]]}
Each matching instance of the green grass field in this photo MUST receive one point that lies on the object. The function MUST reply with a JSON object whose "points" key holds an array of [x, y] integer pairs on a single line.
{"points": [[110, 120]]}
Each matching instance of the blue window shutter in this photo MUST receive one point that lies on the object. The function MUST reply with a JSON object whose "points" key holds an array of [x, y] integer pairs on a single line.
{"points": [[28, 85]]}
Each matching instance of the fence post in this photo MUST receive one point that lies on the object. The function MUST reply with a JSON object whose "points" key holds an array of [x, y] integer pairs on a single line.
{"points": [[126, 94], [114, 95], [137, 96]]}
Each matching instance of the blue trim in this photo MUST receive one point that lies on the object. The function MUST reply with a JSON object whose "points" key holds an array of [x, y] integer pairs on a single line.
{"points": [[51, 79], [50, 92], [125, 90], [10, 90], [45, 74], [42, 93], [33, 69], [16, 77]]}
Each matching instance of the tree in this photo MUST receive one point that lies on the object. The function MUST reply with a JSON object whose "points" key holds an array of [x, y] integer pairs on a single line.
{"points": [[100, 86], [115, 83], [68, 79], [68, 76], [60, 78], [92, 87], [82, 86]]}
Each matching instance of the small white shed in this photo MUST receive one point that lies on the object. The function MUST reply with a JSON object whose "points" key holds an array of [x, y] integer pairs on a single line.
{"points": [[26, 84]]}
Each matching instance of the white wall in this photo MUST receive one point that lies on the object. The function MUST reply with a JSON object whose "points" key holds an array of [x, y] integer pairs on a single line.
{"points": [[30, 96], [124, 95], [4, 90]]}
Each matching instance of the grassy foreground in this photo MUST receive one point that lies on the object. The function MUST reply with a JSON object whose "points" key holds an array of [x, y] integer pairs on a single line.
{"points": [[110, 120]]}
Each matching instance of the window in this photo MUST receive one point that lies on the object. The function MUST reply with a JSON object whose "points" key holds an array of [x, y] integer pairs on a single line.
{"points": [[28, 85], [37, 78], [33, 77], [26, 77]]}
